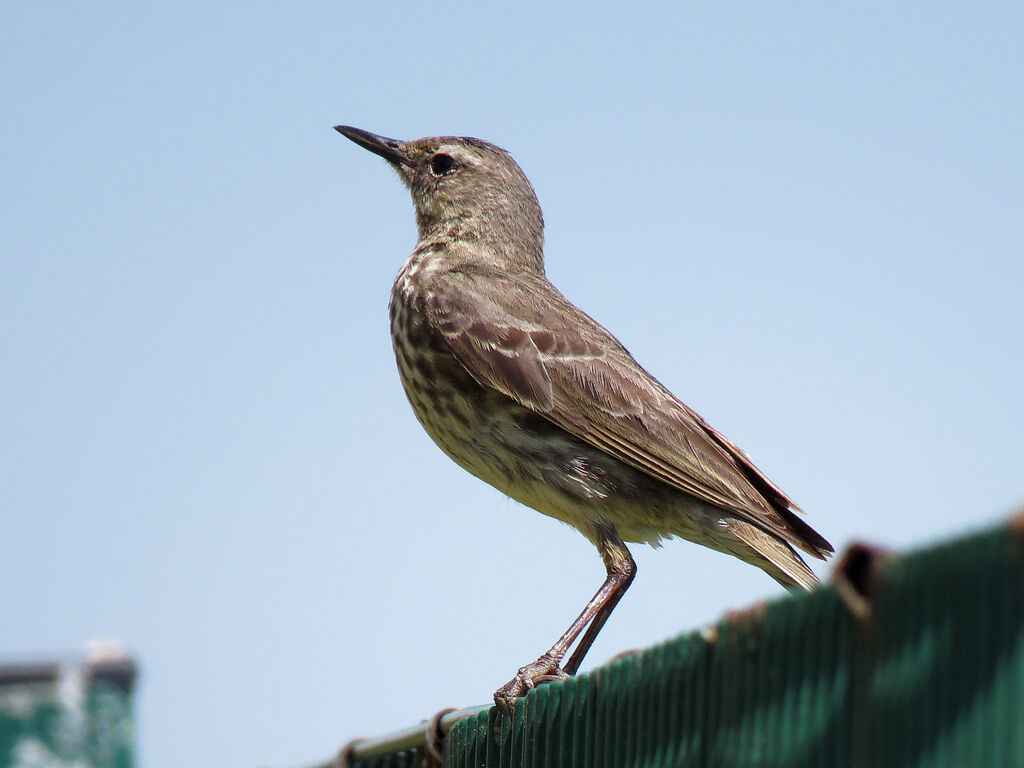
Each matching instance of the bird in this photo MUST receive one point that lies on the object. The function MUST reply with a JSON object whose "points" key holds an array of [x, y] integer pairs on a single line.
{"points": [[531, 395]]}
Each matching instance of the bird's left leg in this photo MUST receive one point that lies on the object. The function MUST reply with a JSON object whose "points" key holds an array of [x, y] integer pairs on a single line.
{"points": [[616, 560], [620, 570]]}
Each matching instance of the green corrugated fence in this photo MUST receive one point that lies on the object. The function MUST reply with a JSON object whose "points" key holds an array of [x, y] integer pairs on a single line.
{"points": [[910, 661]]}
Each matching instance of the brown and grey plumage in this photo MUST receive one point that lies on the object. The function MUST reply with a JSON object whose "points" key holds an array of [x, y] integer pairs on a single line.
{"points": [[533, 396]]}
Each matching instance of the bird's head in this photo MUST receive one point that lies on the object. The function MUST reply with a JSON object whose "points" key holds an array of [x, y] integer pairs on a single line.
{"points": [[464, 188]]}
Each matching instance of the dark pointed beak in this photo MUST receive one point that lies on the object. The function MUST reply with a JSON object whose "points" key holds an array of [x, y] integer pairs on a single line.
{"points": [[390, 149]]}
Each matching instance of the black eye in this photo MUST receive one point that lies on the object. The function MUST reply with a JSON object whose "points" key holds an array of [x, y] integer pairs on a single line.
{"points": [[440, 164]]}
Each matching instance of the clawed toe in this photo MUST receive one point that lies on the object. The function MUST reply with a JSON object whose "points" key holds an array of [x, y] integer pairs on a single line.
{"points": [[543, 670]]}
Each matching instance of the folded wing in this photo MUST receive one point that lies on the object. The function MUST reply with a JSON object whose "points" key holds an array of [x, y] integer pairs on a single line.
{"points": [[530, 343]]}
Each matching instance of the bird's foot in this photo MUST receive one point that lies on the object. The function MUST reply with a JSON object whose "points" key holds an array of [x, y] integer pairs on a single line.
{"points": [[543, 670]]}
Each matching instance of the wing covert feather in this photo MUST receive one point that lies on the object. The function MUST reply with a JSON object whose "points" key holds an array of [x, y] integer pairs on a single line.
{"points": [[521, 337]]}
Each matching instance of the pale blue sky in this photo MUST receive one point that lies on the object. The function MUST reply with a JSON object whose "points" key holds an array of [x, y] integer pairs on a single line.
{"points": [[805, 218]]}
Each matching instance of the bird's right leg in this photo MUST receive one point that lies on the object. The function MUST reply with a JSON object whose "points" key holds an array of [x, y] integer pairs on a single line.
{"points": [[620, 570]]}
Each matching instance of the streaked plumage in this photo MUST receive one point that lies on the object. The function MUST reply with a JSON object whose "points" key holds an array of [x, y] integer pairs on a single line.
{"points": [[533, 396]]}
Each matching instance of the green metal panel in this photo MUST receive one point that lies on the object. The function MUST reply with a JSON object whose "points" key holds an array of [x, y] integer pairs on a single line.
{"points": [[59, 715], [930, 675]]}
